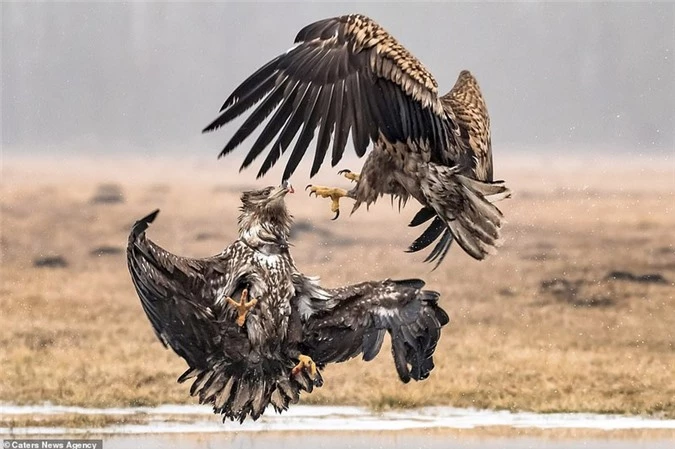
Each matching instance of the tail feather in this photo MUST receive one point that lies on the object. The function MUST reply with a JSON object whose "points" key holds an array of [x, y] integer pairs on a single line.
{"points": [[466, 208], [243, 389]]}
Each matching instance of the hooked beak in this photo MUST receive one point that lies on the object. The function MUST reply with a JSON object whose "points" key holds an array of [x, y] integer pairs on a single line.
{"points": [[282, 190], [287, 185]]}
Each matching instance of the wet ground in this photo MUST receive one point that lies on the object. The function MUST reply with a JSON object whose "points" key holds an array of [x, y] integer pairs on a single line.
{"points": [[315, 427], [364, 440]]}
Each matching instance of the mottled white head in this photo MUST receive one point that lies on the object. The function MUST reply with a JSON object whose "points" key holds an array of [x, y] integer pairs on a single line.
{"points": [[264, 218]]}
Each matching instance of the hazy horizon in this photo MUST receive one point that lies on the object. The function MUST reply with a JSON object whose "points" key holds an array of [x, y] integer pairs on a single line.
{"points": [[148, 77]]}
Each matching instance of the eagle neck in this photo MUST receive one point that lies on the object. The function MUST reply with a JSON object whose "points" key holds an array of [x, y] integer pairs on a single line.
{"points": [[267, 232]]}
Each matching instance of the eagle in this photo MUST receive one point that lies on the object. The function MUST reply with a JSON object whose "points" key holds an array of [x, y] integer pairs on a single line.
{"points": [[348, 76], [255, 331]]}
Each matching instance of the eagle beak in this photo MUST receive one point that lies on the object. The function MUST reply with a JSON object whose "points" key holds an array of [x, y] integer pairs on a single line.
{"points": [[282, 190], [287, 185]]}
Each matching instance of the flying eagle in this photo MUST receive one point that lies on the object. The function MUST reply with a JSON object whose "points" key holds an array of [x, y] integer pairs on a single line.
{"points": [[255, 331], [347, 75]]}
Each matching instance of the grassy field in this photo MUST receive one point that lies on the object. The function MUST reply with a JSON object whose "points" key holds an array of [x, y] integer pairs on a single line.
{"points": [[575, 313]]}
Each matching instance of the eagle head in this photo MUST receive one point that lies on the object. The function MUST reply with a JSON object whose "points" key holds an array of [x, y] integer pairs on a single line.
{"points": [[264, 218]]}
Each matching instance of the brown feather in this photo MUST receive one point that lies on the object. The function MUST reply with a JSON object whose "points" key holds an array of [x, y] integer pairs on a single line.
{"points": [[466, 101]]}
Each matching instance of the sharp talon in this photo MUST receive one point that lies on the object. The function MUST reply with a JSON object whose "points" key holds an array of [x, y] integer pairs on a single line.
{"points": [[333, 194], [347, 173], [308, 186]]}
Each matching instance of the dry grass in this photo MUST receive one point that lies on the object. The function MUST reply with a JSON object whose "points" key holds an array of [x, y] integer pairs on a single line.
{"points": [[538, 327], [71, 421]]}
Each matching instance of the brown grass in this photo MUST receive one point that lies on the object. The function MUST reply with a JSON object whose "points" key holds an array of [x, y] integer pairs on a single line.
{"points": [[72, 421], [540, 326]]}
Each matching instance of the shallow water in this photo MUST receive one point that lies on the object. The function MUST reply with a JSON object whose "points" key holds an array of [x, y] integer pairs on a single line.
{"points": [[178, 419], [188, 426], [362, 440]]}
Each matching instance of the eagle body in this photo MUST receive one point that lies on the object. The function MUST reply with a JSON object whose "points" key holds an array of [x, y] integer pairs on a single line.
{"points": [[347, 76], [267, 272], [241, 369]]}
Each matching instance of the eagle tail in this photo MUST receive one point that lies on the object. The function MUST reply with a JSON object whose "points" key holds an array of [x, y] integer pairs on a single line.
{"points": [[245, 388], [464, 212]]}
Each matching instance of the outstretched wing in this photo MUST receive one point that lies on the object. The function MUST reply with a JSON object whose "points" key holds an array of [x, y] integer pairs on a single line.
{"points": [[344, 75], [362, 314], [466, 101], [178, 295]]}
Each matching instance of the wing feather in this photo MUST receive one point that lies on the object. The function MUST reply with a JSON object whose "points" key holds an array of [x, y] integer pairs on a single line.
{"points": [[422, 216], [278, 120], [471, 114], [361, 314], [251, 82], [307, 133], [428, 236], [325, 131], [441, 248], [243, 104], [377, 88], [288, 132], [176, 297], [342, 124], [256, 118]]}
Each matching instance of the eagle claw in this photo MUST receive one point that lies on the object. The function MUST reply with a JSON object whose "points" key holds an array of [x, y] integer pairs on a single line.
{"points": [[347, 173], [327, 192], [305, 363], [242, 306]]}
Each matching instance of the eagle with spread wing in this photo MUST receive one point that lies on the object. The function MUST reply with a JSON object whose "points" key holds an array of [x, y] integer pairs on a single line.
{"points": [[347, 75], [255, 331]]}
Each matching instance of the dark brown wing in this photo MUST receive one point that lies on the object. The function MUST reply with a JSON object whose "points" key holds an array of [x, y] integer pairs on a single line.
{"points": [[360, 315], [344, 75], [466, 101], [178, 295]]}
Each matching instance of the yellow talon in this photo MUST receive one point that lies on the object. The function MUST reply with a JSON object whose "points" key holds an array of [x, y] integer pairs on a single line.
{"points": [[242, 306], [305, 363], [327, 192], [347, 173]]}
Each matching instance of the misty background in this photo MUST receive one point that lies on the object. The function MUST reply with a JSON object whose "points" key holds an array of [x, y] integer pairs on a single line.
{"points": [[147, 77]]}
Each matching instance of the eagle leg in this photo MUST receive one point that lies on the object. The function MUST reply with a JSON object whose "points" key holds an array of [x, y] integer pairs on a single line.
{"points": [[328, 192], [347, 173], [306, 363], [242, 306]]}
